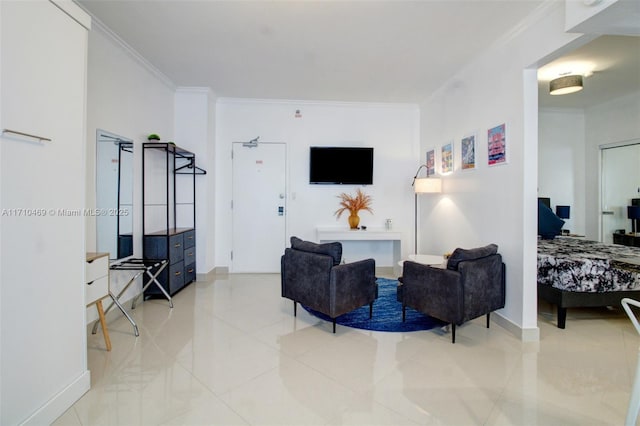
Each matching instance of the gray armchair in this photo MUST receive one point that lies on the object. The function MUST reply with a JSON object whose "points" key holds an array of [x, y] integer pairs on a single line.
{"points": [[312, 275], [472, 285]]}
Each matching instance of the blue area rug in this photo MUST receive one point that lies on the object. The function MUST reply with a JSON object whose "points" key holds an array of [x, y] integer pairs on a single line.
{"points": [[387, 313]]}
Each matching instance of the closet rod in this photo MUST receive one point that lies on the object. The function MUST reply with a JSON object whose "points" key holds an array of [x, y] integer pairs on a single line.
{"points": [[40, 138]]}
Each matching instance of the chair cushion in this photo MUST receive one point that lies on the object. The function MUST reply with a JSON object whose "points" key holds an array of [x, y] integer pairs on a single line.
{"points": [[459, 255], [330, 249], [549, 225]]}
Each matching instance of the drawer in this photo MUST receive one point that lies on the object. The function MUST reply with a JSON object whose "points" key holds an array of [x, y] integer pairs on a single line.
{"points": [[189, 239], [96, 289], [189, 255], [176, 248], [189, 273], [96, 268], [176, 277]]}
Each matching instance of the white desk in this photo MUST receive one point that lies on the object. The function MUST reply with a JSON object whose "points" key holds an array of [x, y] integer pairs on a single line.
{"points": [[371, 234]]}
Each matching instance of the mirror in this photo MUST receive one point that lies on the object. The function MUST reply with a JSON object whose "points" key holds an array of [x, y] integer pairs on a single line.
{"points": [[620, 178], [114, 194]]}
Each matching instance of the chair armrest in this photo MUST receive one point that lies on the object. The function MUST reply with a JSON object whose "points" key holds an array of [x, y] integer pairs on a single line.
{"points": [[352, 285], [305, 277], [434, 290], [484, 285]]}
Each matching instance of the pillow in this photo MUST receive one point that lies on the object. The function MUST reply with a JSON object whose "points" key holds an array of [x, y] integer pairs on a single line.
{"points": [[549, 225], [330, 249], [459, 255]]}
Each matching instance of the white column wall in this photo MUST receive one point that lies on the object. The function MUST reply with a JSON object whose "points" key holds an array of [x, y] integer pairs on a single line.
{"points": [[494, 204], [195, 131]]}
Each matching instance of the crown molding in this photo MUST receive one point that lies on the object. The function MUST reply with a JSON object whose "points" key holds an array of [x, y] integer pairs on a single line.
{"points": [[98, 25], [538, 13], [75, 12]]}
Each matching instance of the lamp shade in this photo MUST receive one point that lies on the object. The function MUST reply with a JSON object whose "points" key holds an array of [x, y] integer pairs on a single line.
{"points": [[563, 212], [633, 212], [565, 85], [427, 185]]}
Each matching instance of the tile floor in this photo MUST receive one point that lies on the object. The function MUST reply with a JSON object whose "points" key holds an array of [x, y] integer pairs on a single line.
{"points": [[231, 353]]}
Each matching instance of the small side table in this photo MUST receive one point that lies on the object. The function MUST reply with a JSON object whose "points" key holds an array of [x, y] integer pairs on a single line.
{"points": [[97, 287]]}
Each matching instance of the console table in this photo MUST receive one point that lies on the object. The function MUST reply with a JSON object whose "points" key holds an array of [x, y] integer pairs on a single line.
{"points": [[370, 234]]}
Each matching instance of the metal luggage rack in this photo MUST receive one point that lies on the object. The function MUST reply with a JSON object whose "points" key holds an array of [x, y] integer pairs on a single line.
{"points": [[150, 268]]}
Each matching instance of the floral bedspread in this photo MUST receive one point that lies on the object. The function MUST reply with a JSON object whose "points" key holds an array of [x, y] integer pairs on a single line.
{"points": [[588, 266]]}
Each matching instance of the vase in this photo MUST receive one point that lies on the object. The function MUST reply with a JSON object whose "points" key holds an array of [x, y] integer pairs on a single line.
{"points": [[354, 221]]}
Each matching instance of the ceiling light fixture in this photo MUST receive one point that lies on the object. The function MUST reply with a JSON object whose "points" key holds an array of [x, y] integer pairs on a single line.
{"points": [[566, 84]]}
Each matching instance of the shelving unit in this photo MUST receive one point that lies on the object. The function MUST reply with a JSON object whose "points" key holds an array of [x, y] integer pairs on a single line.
{"points": [[169, 213]]}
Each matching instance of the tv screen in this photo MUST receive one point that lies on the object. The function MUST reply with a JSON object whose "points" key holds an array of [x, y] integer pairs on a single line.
{"points": [[340, 165]]}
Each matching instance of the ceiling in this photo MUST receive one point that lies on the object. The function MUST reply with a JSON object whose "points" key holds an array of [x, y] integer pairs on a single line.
{"points": [[368, 51], [612, 61]]}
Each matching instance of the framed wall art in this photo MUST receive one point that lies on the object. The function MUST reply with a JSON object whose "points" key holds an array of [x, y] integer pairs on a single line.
{"points": [[447, 158], [431, 162], [468, 152], [497, 145]]}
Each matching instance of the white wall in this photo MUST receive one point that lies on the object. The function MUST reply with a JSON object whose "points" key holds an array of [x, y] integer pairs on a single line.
{"points": [[610, 122], [392, 130], [561, 162], [195, 131], [43, 340], [495, 204], [125, 98]]}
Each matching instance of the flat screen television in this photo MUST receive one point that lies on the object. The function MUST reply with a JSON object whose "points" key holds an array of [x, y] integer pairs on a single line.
{"points": [[340, 165]]}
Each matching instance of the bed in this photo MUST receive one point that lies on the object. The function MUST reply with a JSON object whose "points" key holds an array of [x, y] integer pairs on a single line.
{"points": [[574, 272]]}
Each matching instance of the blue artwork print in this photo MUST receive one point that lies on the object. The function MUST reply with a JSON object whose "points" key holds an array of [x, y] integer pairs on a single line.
{"points": [[468, 153]]}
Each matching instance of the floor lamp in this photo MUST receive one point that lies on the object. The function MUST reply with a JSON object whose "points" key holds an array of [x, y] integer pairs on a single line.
{"points": [[425, 185]]}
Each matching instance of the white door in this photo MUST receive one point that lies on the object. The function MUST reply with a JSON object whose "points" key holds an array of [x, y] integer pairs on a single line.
{"points": [[259, 207], [620, 183]]}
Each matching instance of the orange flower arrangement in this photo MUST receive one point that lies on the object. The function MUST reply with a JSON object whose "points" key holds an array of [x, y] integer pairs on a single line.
{"points": [[354, 204]]}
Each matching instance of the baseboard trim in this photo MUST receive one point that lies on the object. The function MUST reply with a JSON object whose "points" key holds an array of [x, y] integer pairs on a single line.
{"points": [[221, 270], [61, 402], [524, 334], [211, 275]]}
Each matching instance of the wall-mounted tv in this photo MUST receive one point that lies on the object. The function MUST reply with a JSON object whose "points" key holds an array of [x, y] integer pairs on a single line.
{"points": [[340, 165]]}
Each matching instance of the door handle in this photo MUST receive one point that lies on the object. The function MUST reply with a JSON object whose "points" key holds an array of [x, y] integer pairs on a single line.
{"points": [[608, 212], [280, 210]]}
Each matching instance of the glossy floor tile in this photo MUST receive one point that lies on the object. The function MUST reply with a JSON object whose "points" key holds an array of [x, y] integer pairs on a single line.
{"points": [[231, 352]]}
